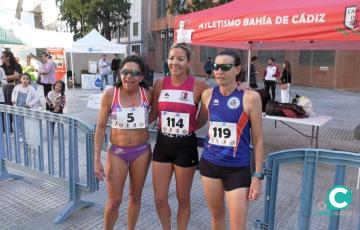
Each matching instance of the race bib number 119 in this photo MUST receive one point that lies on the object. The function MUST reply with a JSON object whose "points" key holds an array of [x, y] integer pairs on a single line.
{"points": [[222, 133]]}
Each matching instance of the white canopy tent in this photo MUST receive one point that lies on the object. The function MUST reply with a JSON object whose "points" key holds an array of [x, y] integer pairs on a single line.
{"points": [[91, 47], [14, 31]]}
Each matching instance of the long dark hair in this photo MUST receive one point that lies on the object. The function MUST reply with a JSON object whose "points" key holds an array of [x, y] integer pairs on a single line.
{"points": [[62, 87], [143, 68], [10, 55], [287, 67]]}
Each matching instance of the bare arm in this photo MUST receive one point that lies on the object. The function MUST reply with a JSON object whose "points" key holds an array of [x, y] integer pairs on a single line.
{"points": [[155, 100], [252, 102], [203, 113], [105, 107]]}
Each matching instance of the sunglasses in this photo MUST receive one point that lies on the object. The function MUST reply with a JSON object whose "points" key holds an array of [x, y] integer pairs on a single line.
{"points": [[223, 67], [133, 73]]}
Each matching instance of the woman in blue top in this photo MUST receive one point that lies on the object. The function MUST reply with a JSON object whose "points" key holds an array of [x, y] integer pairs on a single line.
{"points": [[234, 117]]}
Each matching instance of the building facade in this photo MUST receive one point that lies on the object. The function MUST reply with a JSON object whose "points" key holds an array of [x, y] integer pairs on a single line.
{"points": [[132, 34], [326, 69]]}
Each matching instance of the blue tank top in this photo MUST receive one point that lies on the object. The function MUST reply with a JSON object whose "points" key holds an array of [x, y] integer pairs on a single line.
{"points": [[228, 139]]}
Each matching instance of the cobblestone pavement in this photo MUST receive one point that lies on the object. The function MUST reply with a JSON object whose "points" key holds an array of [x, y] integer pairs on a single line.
{"points": [[32, 203]]}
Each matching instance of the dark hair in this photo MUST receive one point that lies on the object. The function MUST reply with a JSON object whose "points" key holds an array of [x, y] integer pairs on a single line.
{"points": [[254, 58], [26, 74], [10, 55], [184, 47], [231, 53], [62, 87], [143, 68], [272, 59], [287, 66]]}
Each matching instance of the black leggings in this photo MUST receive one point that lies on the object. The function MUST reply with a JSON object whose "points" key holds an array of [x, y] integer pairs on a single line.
{"points": [[271, 84], [47, 89]]}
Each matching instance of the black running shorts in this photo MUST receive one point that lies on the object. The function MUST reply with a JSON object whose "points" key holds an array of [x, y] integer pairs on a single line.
{"points": [[232, 178], [179, 150]]}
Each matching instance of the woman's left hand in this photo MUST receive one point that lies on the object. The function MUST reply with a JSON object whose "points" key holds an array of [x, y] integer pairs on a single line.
{"points": [[255, 189]]}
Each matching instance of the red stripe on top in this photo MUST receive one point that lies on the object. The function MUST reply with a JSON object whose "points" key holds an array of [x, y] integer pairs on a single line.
{"points": [[243, 120]]}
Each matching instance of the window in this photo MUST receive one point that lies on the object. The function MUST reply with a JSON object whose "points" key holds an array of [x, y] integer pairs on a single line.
{"points": [[264, 55], [123, 31], [135, 29], [161, 8], [317, 57], [151, 41], [135, 49], [206, 52]]}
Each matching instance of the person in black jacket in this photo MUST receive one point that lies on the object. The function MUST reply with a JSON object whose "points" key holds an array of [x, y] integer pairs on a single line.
{"points": [[253, 72], [115, 64], [285, 80]]}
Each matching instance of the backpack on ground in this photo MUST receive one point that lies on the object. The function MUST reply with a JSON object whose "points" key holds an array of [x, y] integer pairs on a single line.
{"points": [[274, 108]]}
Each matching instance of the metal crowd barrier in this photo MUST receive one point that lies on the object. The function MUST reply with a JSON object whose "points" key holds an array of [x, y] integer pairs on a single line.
{"points": [[310, 159], [62, 153]]}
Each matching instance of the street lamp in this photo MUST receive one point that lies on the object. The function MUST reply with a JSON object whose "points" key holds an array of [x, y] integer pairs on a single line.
{"points": [[167, 35]]}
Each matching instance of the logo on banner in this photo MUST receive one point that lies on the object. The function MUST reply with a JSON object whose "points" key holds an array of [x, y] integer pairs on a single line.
{"points": [[352, 18], [184, 96]]}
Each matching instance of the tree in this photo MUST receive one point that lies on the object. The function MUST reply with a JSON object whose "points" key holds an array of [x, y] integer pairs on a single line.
{"points": [[184, 7], [104, 15]]}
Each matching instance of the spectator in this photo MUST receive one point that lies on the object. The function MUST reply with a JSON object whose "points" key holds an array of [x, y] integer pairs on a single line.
{"points": [[24, 94], [285, 80], [2, 83], [253, 72], [104, 70], [31, 70], [208, 67], [270, 74], [47, 74], [166, 70], [55, 100], [115, 64], [13, 73]]}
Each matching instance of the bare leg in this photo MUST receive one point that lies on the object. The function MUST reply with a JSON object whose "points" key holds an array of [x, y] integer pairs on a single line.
{"points": [[214, 194], [162, 173], [116, 172], [184, 178], [237, 201], [137, 173]]}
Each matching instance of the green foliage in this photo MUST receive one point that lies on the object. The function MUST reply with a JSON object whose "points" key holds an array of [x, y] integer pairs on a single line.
{"points": [[183, 7], [105, 15]]}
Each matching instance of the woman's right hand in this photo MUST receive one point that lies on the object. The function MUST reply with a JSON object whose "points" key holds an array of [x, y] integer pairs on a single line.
{"points": [[99, 170]]}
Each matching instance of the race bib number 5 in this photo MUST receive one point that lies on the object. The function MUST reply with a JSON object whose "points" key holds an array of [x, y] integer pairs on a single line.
{"points": [[175, 123], [130, 118], [222, 133]]}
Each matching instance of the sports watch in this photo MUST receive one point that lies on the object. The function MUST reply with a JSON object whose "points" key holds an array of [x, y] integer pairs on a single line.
{"points": [[258, 175]]}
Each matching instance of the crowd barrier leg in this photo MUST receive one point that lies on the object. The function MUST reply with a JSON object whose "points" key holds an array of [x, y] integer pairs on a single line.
{"points": [[75, 201], [4, 174]]}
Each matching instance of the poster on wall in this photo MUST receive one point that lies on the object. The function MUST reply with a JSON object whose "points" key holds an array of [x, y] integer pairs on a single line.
{"points": [[58, 58]]}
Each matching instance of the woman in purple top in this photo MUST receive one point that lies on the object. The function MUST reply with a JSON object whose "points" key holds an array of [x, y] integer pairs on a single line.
{"points": [[47, 74]]}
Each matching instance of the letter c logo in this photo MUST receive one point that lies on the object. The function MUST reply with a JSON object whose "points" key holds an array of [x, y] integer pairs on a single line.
{"points": [[339, 197]]}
